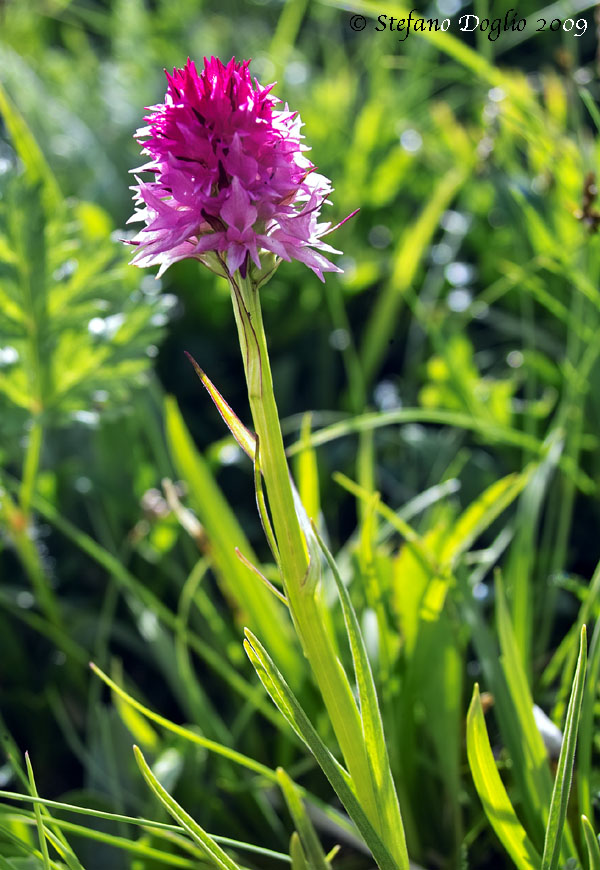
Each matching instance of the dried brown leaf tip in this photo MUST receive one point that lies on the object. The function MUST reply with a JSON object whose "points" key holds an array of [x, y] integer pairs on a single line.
{"points": [[487, 701], [589, 215]]}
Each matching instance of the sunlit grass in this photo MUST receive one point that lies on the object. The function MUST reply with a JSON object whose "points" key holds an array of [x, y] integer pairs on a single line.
{"points": [[450, 462]]}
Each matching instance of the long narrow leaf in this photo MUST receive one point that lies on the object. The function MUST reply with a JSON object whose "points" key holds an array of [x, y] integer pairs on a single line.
{"points": [[492, 432], [219, 858], [370, 715], [586, 726], [263, 512], [480, 514], [407, 259], [537, 777], [451, 45], [135, 847], [139, 597], [262, 611], [210, 745], [413, 540], [591, 841], [157, 828], [38, 815], [309, 841], [297, 854], [244, 437], [335, 773], [307, 472], [564, 771], [491, 791], [509, 720]]}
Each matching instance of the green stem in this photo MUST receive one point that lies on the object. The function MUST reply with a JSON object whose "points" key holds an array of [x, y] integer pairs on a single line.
{"points": [[16, 519], [304, 606], [579, 363], [31, 466], [16, 524]]}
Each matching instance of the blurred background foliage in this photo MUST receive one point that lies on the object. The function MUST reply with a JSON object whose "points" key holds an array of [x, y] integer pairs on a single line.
{"points": [[461, 340]]}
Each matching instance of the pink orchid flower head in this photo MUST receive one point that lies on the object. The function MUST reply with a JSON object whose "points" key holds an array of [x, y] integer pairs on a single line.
{"points": [[231, 182]]}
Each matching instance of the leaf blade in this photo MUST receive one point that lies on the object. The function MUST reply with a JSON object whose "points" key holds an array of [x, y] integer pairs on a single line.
{"points": [[564, 772], [333, 770], [370, 715], [591, 841], [219, 858], [491, 791]]}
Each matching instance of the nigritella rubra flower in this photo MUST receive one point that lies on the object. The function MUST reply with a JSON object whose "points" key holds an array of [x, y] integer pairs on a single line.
{"points": [[232, 182]]}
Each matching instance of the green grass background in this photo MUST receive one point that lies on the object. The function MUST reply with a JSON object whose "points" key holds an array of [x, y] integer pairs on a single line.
{"points": [[452, 368]]}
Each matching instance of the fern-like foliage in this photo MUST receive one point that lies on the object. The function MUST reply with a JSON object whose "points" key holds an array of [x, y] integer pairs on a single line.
{"points": [[78, 325]]}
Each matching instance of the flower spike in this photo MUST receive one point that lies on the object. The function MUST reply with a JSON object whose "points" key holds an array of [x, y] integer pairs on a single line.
{"points": [[231, 185]]}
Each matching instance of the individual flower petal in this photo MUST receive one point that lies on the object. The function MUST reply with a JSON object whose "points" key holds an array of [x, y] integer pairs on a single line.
{"points": [[237, 211]]}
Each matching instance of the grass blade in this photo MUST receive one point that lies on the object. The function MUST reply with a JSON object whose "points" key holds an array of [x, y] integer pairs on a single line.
{"points": [[586, 727], [564, 772], [135, 847], [451, 45], [263, 512], [38, 815], [263, 612], [211, 745], [494, 433], [406, 263], [413, 540], [333, 770], [307, 472], [138, 597], [591, 841], [480, 514], [537, 779], [308, 840], [219, 858], [370, 715], [157, 828], [491, 791], [297, 854], [591, 106]]}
